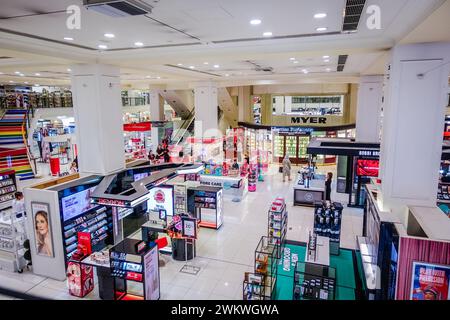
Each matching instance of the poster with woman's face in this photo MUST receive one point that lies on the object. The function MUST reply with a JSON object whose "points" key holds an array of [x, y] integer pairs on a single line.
{"points": [[42, 229]]}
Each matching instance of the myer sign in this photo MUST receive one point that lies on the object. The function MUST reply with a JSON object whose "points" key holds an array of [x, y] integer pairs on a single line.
{"points": [[308, 120]]}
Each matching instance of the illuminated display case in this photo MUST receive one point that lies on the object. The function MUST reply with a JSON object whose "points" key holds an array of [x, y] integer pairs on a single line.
{"points": [[278, 146], [295, 146]]}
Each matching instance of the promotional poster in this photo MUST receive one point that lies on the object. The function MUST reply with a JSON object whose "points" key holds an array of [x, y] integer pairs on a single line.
{"points": [[367, 168], [42, 229], [76, 204], [430, 282], [161, 199]]}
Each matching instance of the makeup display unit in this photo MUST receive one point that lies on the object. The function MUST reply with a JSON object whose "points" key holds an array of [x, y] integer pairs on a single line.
{"points": [[135, 267], [8, 187], [277, 224], [327, 223], [206, 204], [314, 282]]}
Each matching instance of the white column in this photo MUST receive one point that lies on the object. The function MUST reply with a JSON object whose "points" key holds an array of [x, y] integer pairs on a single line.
{"points": [[206, 121], [244, 101], [287, 104], [98, 117], [156, 114], [413, 124], [368, 112]]}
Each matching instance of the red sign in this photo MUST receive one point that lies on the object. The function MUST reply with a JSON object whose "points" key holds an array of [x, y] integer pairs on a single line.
{"points": [[134, 276], [159, 196], [367, 168], [141, 126], [84, 242]]}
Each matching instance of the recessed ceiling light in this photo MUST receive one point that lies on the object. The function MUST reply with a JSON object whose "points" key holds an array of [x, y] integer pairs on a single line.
{"points": [[321, 29], [26, 82], [37, 85], [205, 63], [320, 15], [326, 60], [102, 46], [227, 75], [328, 69], [109, 35], [216, 66], [158, 77], [11, 81], [326, 57], [191, 67], [68, 38], [295, 61], [22, 75], [255, 22], [69, 70], [138, 44], [148, 77], [179, 64], [37, 74], [305, 71], [267, 34], [292, 59], [17, 72]]}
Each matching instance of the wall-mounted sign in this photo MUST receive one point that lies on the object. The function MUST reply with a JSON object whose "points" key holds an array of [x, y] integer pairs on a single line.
{"points": [[293, 130], [369, 153], [308, 120], [430, 282]]}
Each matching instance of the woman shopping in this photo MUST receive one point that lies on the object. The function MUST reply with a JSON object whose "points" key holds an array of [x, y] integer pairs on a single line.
{"points": [[328, 186], [286, 168]]}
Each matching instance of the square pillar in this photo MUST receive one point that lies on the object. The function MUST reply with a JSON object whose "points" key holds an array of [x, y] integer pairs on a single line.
{"points": [[98, 116], [413, 124], [368, 112], [206, 111]]}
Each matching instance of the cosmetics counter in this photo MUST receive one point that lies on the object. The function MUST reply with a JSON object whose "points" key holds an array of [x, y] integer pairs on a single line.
{"points": [[308, 191], [8, 187], [396, 252]]}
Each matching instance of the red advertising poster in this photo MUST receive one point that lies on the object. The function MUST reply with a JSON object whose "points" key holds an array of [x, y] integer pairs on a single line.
{"points": [[367, 168], [84, 241], [430, 282]]}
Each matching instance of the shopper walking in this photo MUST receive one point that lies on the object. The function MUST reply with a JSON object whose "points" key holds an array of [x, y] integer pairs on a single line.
{"points": [[286, 168], [18, 205], [328, 182]]}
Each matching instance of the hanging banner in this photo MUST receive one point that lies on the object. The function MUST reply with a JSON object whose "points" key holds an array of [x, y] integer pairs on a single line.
{"points": [[141, 126]]}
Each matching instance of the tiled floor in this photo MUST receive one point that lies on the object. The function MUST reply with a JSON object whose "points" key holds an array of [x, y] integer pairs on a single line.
{"points": [[222, 255]]}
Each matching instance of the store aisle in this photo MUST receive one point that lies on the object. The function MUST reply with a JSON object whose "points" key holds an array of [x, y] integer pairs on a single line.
{"points": [[223, 255]]}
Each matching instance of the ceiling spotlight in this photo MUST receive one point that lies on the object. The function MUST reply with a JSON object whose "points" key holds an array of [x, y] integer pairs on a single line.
{"points": [[158, 77], [295, 61], [227, 75], [68, 38], [26, 82], [138, 44], [326, 60], [11, 81], [37, 74], [320, 15], [148, 77], [102, 46], [292, 59], [37, 85], [255, 22], [321, 29], [305, 71], [267, 34], [109, 35], [179, 64], [191, 67], [69, 70], [326, 57], [17, 72], [22, 75], [328, 69], [216, 66], [205, 63]]}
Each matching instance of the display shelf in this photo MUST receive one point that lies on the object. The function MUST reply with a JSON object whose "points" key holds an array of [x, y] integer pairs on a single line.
{"points": [[11, 238], [327, 223], [314, 282], [8, 187], [278, 217]]}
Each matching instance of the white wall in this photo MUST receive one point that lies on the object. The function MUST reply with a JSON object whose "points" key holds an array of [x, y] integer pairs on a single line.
{"points": [[368, 112]]}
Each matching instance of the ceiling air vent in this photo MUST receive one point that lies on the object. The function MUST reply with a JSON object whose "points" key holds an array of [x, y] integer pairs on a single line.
{"points": [[341, 62], [352, 15], [117, 8]]}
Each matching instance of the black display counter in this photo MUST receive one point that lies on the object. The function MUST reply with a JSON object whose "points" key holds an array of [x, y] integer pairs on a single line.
{"points": [[180, 248]]}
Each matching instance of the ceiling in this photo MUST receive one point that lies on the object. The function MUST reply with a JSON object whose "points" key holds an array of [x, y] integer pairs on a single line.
{"points": [[180, 34]]}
